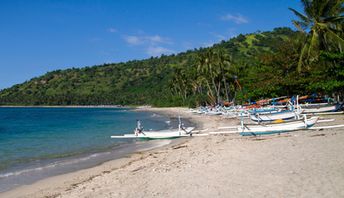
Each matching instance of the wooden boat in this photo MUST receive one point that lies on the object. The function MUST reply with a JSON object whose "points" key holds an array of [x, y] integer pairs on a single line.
{"points": [[283, 115], [212, 112], [162, 134], [267, 101], [305, 123], [321, 109], [263, 110]]}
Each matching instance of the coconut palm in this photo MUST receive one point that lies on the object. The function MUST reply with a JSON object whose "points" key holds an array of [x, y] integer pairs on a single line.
{"points": [[223, 60], [206, 69], [323, 19], [213, 64], [179, 83]]}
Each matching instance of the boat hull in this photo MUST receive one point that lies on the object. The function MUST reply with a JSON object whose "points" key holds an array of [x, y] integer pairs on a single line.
{"points": [[321, 109], [168, 134], [274, 116], [249, 130]]}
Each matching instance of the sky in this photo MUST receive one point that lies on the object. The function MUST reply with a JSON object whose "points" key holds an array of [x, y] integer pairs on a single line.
{"points": [[37, 36]]}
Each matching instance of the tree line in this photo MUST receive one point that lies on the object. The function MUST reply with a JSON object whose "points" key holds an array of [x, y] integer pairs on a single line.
{"points": [[245, 68]]}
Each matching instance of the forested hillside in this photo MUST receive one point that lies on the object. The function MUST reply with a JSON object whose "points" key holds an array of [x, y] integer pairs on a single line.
{"points": [[256, 65]]}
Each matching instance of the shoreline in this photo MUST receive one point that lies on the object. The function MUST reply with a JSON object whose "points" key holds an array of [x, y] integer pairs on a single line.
{"points": [[64, 106], [33, 173], [296, 164], [130, 149]]}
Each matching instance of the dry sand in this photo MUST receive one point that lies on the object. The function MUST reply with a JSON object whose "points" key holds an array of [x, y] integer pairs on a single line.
{"points": [[298, 164]]}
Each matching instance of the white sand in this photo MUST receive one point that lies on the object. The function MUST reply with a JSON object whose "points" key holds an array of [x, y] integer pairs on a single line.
{"points": [[298, 164]]}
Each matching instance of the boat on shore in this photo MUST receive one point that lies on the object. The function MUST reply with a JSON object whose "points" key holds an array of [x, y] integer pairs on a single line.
{"points": [[266, 110], [262, 129], [323, 109], [139, 132], [283, 115]]}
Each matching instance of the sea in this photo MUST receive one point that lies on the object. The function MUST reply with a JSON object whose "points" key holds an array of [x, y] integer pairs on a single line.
{"points": [[38, 142]]}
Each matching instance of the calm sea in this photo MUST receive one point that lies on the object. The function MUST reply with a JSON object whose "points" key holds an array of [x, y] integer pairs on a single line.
{"points": [[39, 142]]}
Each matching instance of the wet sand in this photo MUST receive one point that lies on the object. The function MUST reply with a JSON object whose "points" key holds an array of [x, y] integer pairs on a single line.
{"points": [[298, 164]]}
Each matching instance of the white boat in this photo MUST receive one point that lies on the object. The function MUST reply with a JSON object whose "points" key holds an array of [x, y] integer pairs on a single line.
{"points": [[313, 104], [283, 115], [321, 109], [277, 127], [162, 134], [212, 112], [267, 110]]}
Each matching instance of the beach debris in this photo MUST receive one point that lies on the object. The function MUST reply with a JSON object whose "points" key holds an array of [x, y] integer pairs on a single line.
{"points": [[179, 146], [317, 135], [138, 168]]}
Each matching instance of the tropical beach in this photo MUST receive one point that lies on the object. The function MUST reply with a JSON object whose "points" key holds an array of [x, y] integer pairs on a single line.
{"points": [[299, 164], [171, 98]]}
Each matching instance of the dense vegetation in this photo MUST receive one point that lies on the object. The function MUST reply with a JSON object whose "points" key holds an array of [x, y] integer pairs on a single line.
{"points": [[152, 81], [247, 67]]}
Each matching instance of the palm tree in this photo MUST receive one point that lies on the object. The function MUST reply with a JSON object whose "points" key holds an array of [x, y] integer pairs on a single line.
{"points": [[324, 21], [205, 67], [179, 83], [212, 65], [223, 60]]}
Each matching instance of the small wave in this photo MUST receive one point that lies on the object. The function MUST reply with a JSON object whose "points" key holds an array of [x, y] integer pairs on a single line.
{"points": [[154, 115], [168, 122], [156, 144], [52, 165]]}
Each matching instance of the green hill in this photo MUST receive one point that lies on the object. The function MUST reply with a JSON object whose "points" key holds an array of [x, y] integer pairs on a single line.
{"points": [[150, 81]]}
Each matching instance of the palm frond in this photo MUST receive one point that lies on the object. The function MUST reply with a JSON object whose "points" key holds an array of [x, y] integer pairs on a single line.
{"points": [[333, 7], [300, 62], [325, 19], [299, 25], [313, 44], [304, 18], [336, 39], [307, 5], [334, 19]]}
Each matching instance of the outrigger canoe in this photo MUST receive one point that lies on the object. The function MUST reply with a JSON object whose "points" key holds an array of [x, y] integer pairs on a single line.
{"points": [[283, 115], [255, 129], [163, 134], [321, 109]]}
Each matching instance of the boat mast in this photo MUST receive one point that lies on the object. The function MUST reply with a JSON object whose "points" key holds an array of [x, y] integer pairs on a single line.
{"points": [[179, 125]]}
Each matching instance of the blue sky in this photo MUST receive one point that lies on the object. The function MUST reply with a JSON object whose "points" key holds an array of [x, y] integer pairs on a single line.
{"points": [[43, 35]]}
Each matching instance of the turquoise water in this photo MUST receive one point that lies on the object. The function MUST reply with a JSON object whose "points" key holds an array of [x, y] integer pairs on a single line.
{"points": [[32, 138]]}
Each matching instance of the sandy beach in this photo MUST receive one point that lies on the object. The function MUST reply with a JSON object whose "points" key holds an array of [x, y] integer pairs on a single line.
{"points": [[297, 164]]}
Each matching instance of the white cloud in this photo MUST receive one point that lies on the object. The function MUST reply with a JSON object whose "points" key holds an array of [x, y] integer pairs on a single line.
{"points": [[137, 40], [133, 40], [158, 50], [238, 19], [155, 39], [153, 45], [112, 30]]}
